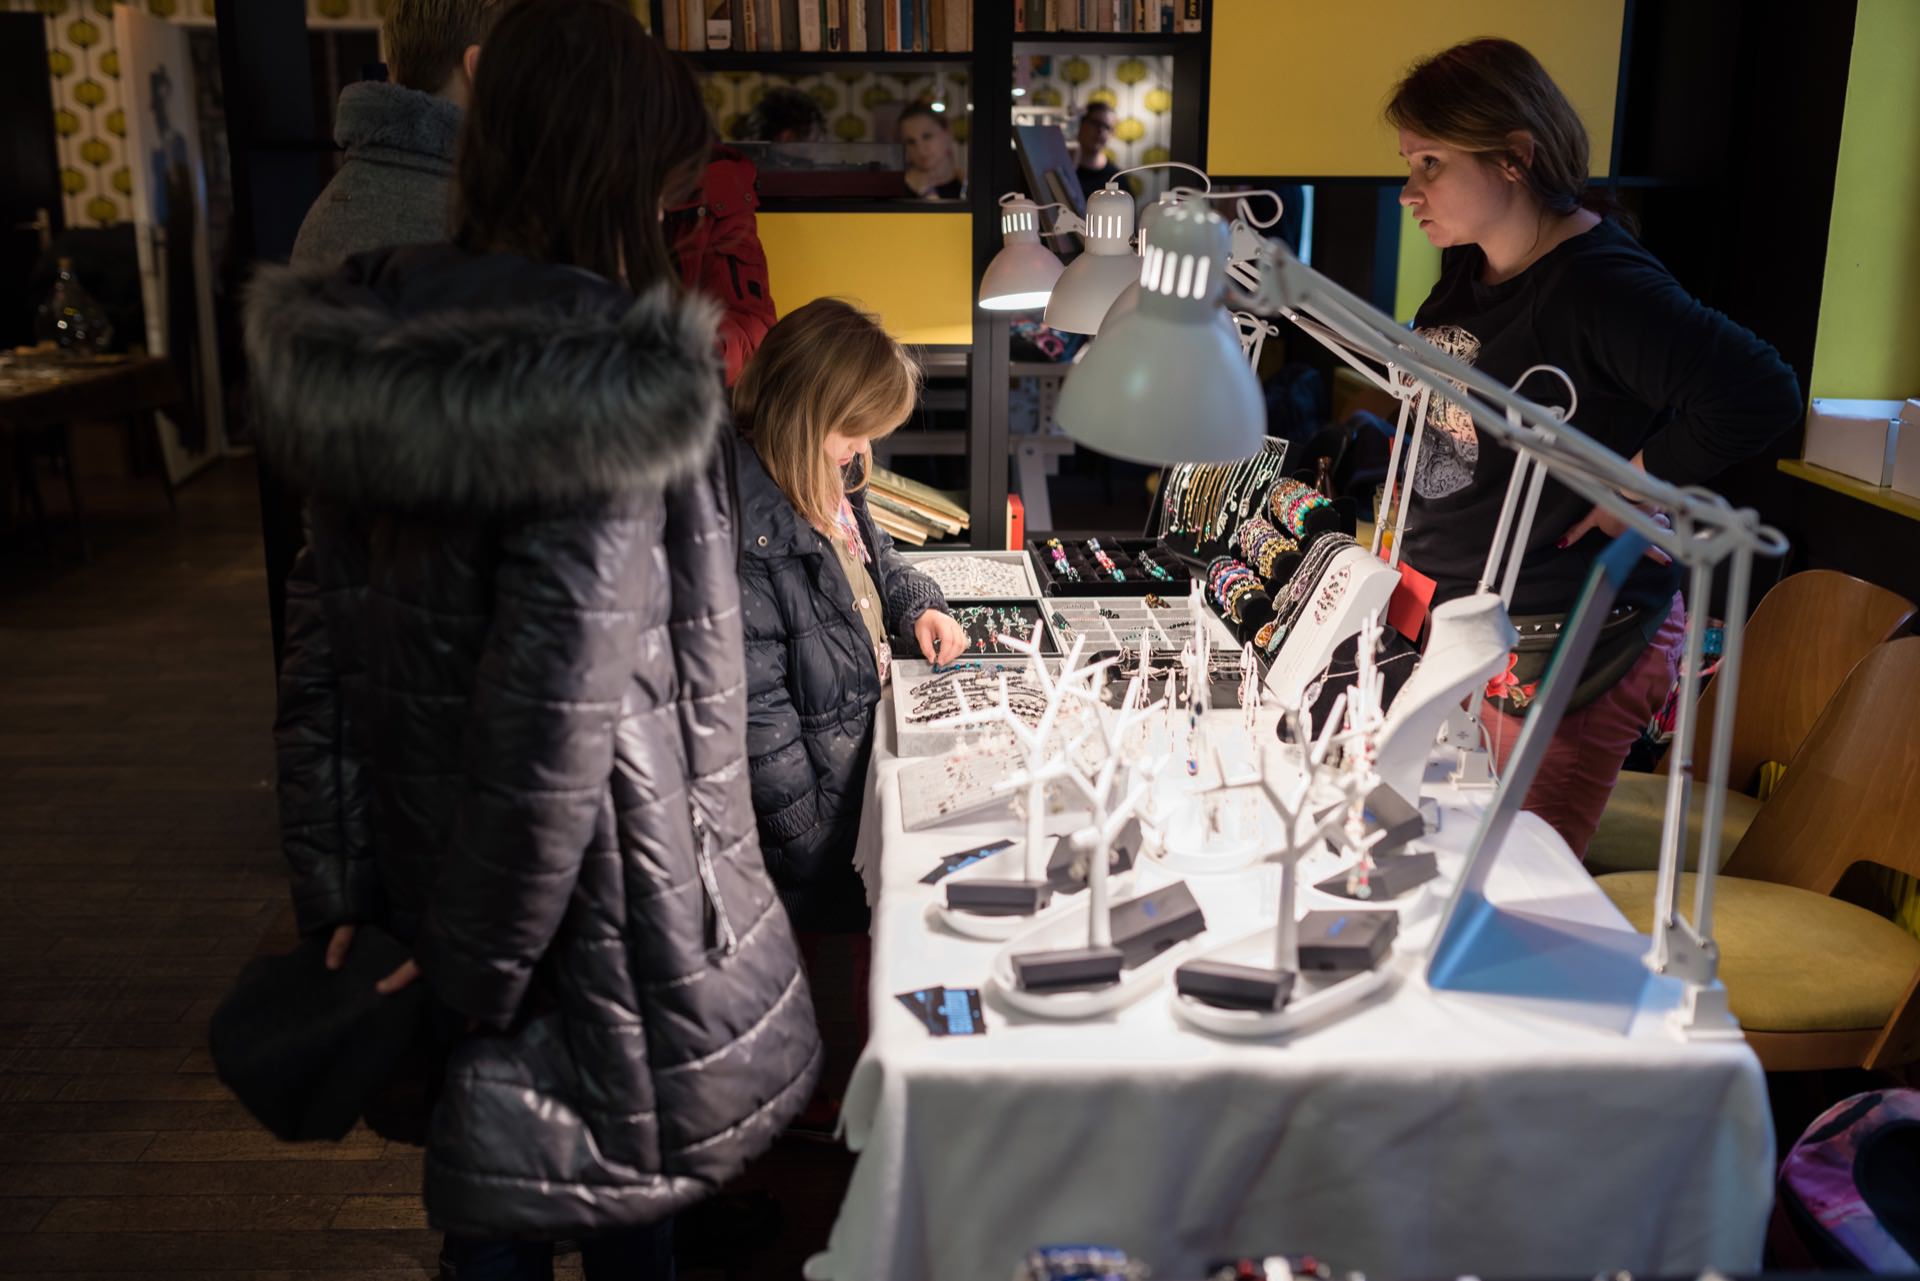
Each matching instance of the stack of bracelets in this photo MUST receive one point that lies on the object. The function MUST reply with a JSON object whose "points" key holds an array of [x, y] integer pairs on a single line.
{"points": [[986, 623], [1292, 600], [1291, 502], [1204, 500], [1105, 561], [1262, 546], [1234, 586], [1061, 568]]}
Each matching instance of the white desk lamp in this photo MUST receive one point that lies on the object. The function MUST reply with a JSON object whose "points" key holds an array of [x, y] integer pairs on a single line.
{"points": [[1022, 275], [1167, 382], [1109, 266]]}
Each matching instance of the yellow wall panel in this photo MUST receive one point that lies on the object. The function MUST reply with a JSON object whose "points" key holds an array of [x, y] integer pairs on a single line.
{"points": [[1298, 84], [1869, 338], [914, 270]]}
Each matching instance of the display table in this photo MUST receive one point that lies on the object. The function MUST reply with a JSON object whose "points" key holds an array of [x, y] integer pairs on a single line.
{"points": [[1426, 1134]]}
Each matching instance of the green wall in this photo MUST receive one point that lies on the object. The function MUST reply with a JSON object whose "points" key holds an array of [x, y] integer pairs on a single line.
{"points": [[1869, 338]]}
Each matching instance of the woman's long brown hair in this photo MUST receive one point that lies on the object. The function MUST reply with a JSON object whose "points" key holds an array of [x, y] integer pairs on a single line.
{"points": [[581, 129], [1475, 95]]}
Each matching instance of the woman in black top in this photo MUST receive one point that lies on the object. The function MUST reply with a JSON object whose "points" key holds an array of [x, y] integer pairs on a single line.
{"points": [[1533, 273]]}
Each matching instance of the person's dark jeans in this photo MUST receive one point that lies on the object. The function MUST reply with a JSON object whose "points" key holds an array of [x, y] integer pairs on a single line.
{"points": [[642, 1254]]}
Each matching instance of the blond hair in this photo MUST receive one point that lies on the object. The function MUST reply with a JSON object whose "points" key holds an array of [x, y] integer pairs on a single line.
{"points": [[826, 367], [426, 40]]}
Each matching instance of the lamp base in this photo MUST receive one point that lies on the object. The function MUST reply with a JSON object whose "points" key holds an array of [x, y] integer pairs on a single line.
{"points": [[1703, 1015]]}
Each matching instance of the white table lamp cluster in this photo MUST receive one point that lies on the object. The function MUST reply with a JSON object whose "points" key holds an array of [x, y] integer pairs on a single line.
{"points": [[1167, 359]]}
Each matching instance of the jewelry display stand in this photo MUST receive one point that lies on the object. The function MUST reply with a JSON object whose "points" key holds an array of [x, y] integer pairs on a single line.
{"points": [[1302, 828], [1011, 865], [1309, 644], [1469, 641], [1223, 830], [1070, 930]]}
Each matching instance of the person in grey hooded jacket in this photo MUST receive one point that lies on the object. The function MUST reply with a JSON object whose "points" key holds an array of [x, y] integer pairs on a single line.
{"points": [[393, 186]]}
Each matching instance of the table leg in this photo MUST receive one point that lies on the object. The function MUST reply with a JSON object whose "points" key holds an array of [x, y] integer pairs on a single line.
{"points": [[151, 421], [60, 444]]}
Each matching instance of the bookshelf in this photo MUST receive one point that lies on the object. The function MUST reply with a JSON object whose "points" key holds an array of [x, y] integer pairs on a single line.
{"points": [[992, 168]]}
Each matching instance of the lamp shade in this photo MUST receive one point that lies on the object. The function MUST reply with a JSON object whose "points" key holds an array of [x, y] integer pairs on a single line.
{"points": [[1168, 383], [1093, 280], [1022, 275], [1129, 296]]}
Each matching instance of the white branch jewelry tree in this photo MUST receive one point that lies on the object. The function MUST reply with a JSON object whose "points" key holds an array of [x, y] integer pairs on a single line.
{"points": [[1097, 790], [1074, 683], [1308, 817]]}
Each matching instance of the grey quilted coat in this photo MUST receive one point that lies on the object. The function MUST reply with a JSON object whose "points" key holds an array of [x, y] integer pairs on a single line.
{"points": [[512, 720], [393, 186], [812, 691]]}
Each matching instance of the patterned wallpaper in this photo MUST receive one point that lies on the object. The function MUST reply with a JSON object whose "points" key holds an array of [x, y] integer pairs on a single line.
{"points": [[85, 79], [1140, 91], [1137, 88]]}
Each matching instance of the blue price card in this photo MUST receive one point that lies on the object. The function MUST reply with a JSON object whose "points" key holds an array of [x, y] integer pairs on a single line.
{"points": [[947, 1011], [963, 858]]}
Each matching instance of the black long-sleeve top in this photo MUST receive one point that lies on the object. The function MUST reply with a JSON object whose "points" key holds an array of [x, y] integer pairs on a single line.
{"points": [[1655, 371]]}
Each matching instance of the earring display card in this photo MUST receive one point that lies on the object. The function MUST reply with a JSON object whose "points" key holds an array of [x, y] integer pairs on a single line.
{"points": [[922, 698], [936, 790], [982, 575], [1106, 566]]}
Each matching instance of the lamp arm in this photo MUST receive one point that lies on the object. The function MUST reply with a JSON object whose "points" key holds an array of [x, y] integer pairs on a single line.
{"points": [[1706, 528], [1113, 182]]}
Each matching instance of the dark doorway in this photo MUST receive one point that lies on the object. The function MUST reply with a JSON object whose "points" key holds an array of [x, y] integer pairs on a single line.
{"points": [[30, 211]]}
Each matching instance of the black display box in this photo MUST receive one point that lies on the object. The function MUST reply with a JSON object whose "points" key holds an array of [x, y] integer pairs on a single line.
{"points": [[1096, 581]]}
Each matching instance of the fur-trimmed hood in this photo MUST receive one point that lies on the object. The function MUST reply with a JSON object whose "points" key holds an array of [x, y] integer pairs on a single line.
{"points": [[375, 114], [428, 378]]}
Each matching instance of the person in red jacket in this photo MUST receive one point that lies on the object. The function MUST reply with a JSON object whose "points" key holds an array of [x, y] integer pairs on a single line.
{"points": [[716, 245]]}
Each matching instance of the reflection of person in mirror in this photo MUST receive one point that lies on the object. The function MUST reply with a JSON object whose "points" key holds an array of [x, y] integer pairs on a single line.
{"points": [[933, 166], [1094, 165], [172, 191], [783, 114]]}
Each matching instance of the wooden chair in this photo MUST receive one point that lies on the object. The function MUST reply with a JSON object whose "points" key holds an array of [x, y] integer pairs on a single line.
{"points": [[1815, 981], [1801, 642]]}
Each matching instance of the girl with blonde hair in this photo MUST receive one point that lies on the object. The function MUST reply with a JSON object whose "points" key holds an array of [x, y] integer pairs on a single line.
{"points": [[825, 597]]}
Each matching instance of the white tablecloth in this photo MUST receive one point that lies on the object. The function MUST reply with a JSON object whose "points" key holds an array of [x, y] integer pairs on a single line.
{"points": [[1426, 1134]]}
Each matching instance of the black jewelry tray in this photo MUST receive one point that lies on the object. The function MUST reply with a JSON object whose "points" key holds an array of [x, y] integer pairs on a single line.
{"points": [[1028, 610], [1096, 581]]}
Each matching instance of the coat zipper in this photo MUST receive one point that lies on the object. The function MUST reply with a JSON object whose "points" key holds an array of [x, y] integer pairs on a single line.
{"points": [[710, 882]]}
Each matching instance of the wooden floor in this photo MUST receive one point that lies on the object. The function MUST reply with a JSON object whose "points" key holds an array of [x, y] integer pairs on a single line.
{"points": [[138, 872]]}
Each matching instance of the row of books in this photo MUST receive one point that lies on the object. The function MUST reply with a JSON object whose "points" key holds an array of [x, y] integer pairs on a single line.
{"points": [[1153, 17], [820, 26], [912, 512]]}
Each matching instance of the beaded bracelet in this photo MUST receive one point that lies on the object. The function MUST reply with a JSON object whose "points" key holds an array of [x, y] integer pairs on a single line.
{"points": [[1292, 501], [1262, 546], [1223, 575], [1105, 561], [1153, 567]]}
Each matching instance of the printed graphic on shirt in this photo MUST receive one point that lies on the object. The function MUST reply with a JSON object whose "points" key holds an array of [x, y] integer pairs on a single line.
{"points": [[1450, 446]]}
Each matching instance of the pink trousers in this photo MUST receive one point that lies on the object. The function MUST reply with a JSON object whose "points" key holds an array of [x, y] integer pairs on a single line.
{"points": [[1583, 760]]}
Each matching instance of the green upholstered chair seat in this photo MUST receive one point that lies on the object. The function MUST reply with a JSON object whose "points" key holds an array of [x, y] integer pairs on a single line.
{"points": [[1792, 960], [1628, 838]]}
